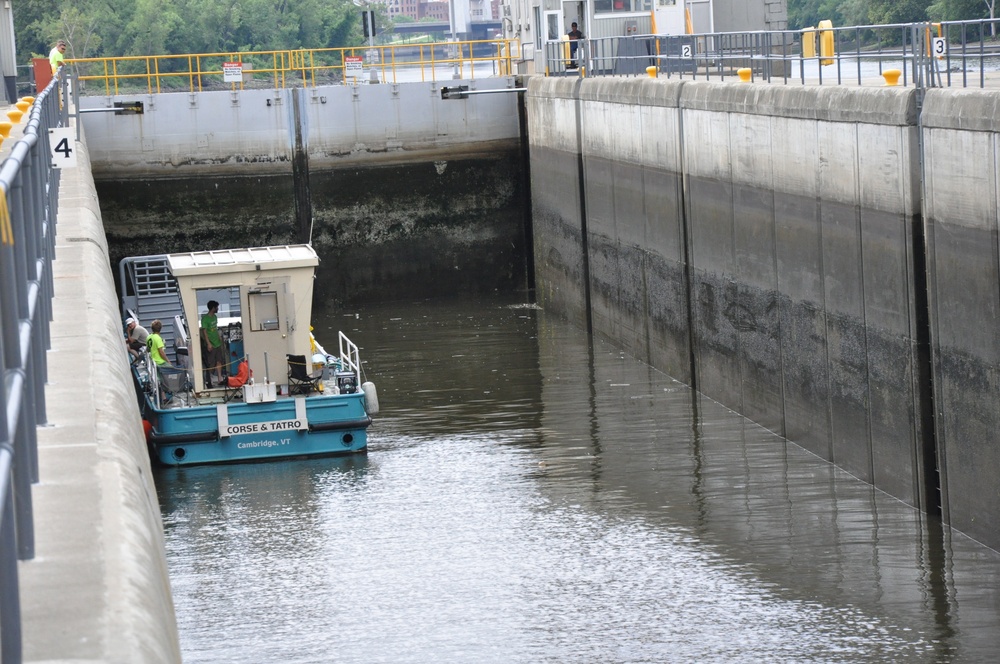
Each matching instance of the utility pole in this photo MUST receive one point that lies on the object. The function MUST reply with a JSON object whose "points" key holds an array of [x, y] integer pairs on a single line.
{"points": [[368, 27], [454, 38]]}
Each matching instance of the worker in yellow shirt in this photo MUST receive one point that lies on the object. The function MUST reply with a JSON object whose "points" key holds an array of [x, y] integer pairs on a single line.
{"points": [[56, 56]]}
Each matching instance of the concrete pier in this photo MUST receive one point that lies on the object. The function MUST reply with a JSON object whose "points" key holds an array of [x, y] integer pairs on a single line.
{"points": [[97, 589]]}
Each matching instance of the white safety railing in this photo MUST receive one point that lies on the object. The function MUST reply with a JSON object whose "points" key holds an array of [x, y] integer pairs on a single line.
{"points": [[349, 357]]}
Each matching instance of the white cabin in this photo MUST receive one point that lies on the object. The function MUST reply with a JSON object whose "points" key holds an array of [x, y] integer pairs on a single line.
{"points": [[274, 286]]}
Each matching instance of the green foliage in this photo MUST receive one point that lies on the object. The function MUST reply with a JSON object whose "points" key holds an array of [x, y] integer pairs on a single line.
{"points": [[109, 28], [805, 13], [957, 10], [881, 12]]}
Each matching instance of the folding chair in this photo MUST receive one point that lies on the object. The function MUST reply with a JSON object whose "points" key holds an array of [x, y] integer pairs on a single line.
{"points": [[300, 380], [233, 384], [173, 381]]}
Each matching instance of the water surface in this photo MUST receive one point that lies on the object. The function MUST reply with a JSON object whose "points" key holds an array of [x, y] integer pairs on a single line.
{"points": [[532, 496]]}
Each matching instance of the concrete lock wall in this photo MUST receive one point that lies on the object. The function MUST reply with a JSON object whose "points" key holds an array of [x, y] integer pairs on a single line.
{"points": [[399, 190], [961, 130], [257, 131], [794, 215]]}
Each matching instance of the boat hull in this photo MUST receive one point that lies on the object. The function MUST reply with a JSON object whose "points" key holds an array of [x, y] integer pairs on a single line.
{"points": [[226, 433]]}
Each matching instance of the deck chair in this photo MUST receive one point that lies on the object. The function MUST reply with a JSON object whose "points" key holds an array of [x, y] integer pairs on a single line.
{"points": [[300, 380], [233, 384], [173, 381]]}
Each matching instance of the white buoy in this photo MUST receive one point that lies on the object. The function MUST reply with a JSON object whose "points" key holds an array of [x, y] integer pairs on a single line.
{"points": [[371, 397]]}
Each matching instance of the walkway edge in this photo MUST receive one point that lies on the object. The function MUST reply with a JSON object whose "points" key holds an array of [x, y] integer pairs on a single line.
{"points": [[98, 588]]}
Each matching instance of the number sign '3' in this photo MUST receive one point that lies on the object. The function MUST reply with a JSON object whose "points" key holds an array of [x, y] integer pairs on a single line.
{"points": [[62, 144]]}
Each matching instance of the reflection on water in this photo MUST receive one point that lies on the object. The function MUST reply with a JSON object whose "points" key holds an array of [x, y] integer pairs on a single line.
{"points": [[529, 496]]}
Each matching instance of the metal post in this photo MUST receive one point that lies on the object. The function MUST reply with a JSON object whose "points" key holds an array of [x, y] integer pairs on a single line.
{"points": [[454, 37], [24, 440], [10, 606]]}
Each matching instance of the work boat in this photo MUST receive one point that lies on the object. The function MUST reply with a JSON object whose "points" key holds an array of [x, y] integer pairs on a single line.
{"points": [[283, 395]]}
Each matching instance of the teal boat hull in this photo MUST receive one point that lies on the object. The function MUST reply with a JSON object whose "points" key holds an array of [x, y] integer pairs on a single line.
{"points": [[333, 424]]}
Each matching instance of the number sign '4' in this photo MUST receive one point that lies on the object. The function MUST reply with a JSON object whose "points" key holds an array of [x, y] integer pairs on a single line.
{"points": [[62, 144]]}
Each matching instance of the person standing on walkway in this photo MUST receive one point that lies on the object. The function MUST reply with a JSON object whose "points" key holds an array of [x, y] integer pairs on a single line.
{"points": [[574, 36], [56, 56]]}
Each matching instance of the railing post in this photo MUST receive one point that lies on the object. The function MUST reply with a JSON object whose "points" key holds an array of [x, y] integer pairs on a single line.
{"points": [[24, 441], [10, 606]]}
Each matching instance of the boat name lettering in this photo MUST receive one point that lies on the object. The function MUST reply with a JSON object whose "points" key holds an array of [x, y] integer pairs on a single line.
{"points": [[263, 427], [263, 443]]}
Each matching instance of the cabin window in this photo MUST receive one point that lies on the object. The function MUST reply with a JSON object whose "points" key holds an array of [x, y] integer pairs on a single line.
{"points": [[263, 311]]}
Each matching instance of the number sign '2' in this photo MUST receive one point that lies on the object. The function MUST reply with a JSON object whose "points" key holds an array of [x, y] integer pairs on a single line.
{"points": [[62, 144]]}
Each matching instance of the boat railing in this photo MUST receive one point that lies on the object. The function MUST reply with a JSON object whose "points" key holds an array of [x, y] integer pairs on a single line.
{"points": [[349, 357], [29, 192], [149, 379]]}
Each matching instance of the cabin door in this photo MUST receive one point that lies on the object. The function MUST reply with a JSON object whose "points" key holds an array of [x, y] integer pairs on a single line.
{"points": [[265, 329]]}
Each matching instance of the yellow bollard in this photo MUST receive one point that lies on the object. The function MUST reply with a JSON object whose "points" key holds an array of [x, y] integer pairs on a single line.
{"points": [[651, 71], [5, 128], [23, 106], [15, 116], [809, 42], [891, 76], [826, 45], [30, 100], [745, 74]]}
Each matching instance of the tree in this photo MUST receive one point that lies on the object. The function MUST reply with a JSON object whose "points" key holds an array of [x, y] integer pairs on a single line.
{"points": [[151, 29], [882, 12], [95, 28]]}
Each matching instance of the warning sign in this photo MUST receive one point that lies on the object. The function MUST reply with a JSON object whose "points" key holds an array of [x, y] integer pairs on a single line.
{"points": [[232, 72], [353, 66]]}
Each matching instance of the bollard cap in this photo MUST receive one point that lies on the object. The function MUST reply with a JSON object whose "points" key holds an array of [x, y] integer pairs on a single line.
{"points": [[891, 76], [745, 74]]}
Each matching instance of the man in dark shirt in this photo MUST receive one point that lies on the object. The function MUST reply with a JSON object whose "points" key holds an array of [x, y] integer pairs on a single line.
{"points": [[574, 34]]}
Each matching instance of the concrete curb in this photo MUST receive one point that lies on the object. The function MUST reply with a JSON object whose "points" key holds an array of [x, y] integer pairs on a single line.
{"points": [[98, 588]]}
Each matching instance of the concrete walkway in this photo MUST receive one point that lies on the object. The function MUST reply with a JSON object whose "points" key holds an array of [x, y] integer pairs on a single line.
{"points": [[97, 589]]}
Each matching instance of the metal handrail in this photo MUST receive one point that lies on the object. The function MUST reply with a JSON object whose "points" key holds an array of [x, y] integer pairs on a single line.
{"points": [[949, 54], [299, 68], [29, 187]]}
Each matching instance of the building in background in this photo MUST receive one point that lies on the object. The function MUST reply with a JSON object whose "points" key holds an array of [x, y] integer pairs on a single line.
{"points": [[418, 9], [534, 22]]}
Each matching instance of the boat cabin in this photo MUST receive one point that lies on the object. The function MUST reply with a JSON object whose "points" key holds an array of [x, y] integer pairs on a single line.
{"points": [[265, 296]]}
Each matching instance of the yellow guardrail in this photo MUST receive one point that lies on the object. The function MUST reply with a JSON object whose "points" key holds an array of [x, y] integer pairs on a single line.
{"points": [[296, 68]]}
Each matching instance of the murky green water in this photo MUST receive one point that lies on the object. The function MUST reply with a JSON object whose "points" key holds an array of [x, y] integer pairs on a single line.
{"points": [[528, 497]]}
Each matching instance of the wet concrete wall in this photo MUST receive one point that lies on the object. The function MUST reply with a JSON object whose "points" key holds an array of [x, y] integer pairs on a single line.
{"points": [[402, 193], [961, 130], [762, 243]]}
